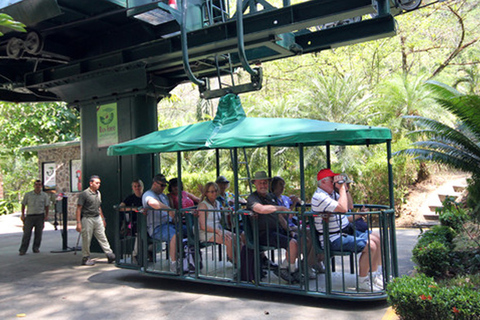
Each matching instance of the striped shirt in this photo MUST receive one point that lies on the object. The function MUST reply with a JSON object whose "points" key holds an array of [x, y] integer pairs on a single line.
{"points": [[322, 202]]}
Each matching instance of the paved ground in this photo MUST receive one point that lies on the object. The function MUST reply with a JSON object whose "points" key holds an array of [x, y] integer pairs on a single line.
{"points": [[54, 286]]}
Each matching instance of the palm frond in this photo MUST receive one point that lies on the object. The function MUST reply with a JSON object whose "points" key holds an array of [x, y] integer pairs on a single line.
{"points": [[439, 157], [449, 150], [441, 89], [458, 148], [465, 107], [438, 131]]}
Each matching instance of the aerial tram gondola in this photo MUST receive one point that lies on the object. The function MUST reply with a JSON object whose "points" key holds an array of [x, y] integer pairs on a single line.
{"points": [[232, 130]]}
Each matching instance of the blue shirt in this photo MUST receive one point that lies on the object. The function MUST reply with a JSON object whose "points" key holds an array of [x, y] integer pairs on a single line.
{"points": [[155, 217]]}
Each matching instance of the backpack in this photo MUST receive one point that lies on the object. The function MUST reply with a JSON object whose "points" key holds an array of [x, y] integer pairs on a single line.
{"points": [[247, 270], [189, 257]]}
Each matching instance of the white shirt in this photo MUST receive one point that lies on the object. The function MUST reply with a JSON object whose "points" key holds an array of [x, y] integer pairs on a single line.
{"points": [[323, 202]]}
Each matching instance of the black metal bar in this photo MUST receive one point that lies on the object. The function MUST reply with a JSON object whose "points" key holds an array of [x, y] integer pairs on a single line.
{"points": [[327, 150], [217, 161], [65, 223]]}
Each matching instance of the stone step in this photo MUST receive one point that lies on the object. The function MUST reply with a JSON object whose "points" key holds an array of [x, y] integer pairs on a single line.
{"points": [[430, 216], [443, 196], [427, 224], [459, 187], [434, 207]]}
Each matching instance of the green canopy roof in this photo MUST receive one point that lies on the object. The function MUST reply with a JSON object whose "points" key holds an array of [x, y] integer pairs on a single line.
{"points": [[231, 128]]}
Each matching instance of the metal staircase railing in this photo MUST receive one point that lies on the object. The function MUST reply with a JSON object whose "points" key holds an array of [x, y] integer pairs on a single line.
{"points": [[246, 177]]}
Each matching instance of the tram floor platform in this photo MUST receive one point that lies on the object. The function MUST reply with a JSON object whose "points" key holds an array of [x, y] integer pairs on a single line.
{"points": [[50, 285]]}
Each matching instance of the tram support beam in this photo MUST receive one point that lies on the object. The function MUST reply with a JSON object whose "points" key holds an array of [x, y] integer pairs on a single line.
{"points": [[134, 116]]}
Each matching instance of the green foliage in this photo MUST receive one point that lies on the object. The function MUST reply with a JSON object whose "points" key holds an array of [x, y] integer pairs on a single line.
{"points": [[18, 173], [442, 234], [441, 143], [404, 95], [411, 298], [466, 261], [26, 125], [432, 253], [6, 207], [432, 259], [32, 124], [421, 297], [473, 199], [451, 215], [8, 22]]}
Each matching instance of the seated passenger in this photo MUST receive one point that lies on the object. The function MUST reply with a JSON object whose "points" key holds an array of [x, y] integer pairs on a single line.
{"points": [[277, 188], [133, 200], [161, 223], [327, 200], [128, 220], [262, 203], [357, 219], [226, 198], [227, 201], [188, 199], [209, 222]]}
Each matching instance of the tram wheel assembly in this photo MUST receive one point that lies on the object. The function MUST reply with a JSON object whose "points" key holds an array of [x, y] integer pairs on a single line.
{"points": [[33, 43], [409, 5], [14, 47]]}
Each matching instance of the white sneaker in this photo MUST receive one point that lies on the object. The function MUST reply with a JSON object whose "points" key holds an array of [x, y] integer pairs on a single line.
{"points": [[366, 285], [319, 267], [312, 274], [378, 280], [173, 266]]}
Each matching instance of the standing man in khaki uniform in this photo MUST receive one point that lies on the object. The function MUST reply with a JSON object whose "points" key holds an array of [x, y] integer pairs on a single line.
{"points": [[37, 203], [91, 222]]}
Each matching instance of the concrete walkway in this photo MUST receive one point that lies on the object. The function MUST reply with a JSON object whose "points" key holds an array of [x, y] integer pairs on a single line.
{"points": [[54, 286]]}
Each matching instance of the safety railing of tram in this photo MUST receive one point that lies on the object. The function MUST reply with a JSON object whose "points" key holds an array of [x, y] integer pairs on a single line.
{"points": [[234, 247]]}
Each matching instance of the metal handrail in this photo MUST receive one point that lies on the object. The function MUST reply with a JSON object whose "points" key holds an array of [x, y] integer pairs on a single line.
{"points": [[241, 43], [183, 38]]}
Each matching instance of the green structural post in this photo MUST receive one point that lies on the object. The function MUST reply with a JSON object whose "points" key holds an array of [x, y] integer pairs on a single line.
{"points": [[104, 123], [178, 213], [392, 206], [235, 177], [302, 218], [383, 7], [195, 14]]}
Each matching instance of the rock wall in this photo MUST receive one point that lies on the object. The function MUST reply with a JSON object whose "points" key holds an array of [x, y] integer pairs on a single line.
{"points": [[62, 156]]}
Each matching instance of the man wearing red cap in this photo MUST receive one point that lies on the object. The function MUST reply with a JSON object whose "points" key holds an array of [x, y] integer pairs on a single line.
{"points": [[327, 199]]}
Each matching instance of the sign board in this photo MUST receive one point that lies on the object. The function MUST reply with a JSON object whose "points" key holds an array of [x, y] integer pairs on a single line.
{"points": [[76, 175], [107, 125], [49, 172]]}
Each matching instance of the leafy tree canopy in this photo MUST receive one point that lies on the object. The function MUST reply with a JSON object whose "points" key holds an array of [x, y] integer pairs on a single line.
{"points": [[33, 124]]}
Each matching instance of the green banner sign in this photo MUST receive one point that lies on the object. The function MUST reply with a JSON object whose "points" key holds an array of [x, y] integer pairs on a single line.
{"points": [[107, 125]]}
